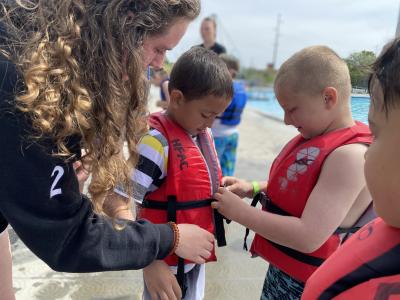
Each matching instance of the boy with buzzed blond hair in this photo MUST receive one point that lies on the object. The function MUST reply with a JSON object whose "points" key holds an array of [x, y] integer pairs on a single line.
{"points": [[316, 184], [368, 264]]}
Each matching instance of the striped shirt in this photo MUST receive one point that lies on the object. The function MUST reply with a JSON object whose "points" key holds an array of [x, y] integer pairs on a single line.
{"points": [[151, 170]]}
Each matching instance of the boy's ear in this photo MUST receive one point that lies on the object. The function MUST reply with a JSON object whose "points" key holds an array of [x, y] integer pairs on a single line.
{"points": [[176, 98], [330, 97]]}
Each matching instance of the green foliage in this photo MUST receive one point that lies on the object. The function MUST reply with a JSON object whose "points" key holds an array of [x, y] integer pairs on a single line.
{"points": [[168, 66], [359, 66], [257, 77]]}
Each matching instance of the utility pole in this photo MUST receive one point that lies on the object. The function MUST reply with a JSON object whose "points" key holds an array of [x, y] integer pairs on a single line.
{"points": [[398, 26], [276, 43]]}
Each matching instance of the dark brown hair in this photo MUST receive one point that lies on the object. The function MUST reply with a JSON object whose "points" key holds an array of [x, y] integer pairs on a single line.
{"points": [[70, 54], [386, 70], [200, 72]]}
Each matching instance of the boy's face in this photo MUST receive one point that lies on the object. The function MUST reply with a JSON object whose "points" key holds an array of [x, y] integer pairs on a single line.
{"points": [[382, 161], [307, 113], [195, 115]]}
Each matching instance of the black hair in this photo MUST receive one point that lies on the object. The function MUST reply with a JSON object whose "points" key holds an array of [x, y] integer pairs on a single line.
{"points": [[386, 70], [200, 72]]}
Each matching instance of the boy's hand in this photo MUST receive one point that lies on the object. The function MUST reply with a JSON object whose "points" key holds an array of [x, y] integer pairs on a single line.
{"points": [[160, 282], [228, 204], [240, 187], [195, 243]]}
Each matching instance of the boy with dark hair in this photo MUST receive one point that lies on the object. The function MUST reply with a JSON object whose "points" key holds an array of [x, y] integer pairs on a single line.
{"points": [[178, 170]]}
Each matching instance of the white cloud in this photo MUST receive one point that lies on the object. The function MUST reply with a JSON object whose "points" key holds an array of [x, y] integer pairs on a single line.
{"points": [[247, 28]]}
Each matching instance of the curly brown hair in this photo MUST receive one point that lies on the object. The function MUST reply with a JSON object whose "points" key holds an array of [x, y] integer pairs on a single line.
{"points": [[70, 55]]}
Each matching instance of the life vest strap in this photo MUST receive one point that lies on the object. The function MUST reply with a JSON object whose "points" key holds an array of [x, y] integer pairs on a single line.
{"points": [[171, 206], [367, 216], [163, 205], [271, 207]]}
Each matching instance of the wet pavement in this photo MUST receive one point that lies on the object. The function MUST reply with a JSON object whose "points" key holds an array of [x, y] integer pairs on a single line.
{"points": [[234, 276]]}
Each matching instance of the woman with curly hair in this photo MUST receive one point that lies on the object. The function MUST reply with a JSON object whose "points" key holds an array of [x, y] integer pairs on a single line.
{"points": [[72, 77]]}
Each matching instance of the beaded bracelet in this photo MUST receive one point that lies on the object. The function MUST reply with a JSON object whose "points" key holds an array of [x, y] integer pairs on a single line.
{"points": [[256, 187], [175, 229]]}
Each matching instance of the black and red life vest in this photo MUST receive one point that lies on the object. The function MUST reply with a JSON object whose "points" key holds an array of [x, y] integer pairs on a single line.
{"points": [[293, 176], [193, 177], [366, 267]]}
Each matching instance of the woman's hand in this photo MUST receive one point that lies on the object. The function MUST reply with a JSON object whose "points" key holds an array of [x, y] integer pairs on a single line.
{"points": [[195, 243], [160, 282], [242, 188], [228, 204]]}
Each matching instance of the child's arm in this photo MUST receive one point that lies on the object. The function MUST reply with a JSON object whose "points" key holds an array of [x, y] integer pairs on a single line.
{"points": [[160, 282], [243, 188], [6, 282], [340, 182]]}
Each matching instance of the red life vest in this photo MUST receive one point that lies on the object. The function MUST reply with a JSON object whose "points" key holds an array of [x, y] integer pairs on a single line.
{"points": [[292, 178], [193, 177], [367, 266]]}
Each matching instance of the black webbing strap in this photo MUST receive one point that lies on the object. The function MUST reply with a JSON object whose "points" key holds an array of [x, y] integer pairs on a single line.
{"points": [[272, 208], [256, 199], [171, 206], [162, 205], [218, 218], [219, 229], [367, 216]]}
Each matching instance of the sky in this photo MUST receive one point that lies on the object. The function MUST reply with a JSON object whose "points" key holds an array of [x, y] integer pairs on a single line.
{"points": [[247, 28]]}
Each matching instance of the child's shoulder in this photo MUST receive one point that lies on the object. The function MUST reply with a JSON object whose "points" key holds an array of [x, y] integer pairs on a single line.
{"points": [[155, 140], [348, 159], [350, 150]]}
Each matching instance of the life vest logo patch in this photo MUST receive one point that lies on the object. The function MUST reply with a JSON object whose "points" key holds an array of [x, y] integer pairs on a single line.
{"points": [[304, 158]]}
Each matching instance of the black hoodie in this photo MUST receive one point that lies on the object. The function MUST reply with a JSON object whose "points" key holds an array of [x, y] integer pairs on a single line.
{"points": [[40, 199]]}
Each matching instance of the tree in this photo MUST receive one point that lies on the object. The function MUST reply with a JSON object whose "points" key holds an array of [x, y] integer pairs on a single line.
{"points": [[359, 66]]}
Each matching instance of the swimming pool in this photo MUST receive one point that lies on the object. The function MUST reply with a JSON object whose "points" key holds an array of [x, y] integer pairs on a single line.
{"points": [[270, 106]]}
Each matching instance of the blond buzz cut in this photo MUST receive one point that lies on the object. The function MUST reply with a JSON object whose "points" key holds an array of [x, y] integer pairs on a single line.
{"points": [[312, 69]]}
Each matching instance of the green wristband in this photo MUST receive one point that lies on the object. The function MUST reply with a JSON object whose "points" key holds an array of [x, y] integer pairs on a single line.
{"points": [[256, 187]]}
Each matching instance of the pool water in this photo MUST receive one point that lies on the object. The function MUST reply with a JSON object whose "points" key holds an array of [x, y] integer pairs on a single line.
{"points": [[270, 106]]}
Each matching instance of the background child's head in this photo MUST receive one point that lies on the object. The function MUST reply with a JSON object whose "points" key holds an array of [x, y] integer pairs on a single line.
{"points": [[200, 88], [159, 76], [232, 63], [313, 87], [382, 161]]}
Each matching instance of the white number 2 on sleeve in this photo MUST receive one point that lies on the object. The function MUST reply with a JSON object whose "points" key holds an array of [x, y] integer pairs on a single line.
{"points": [[59, 172]]}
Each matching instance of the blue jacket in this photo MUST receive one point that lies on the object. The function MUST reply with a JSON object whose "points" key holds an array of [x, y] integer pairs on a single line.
{"points": [[231, 115]]}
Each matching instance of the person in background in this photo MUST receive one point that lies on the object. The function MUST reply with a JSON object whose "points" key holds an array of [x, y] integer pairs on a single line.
{"points": [[161, 79], [224, 129], [208, 31]]}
